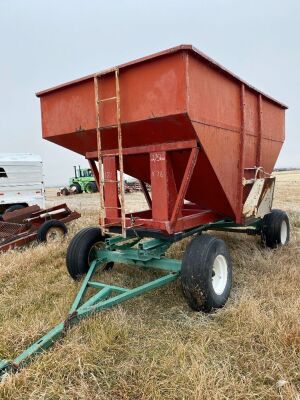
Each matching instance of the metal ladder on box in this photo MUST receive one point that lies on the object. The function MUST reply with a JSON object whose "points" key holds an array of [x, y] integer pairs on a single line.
{"points": [[102, 180]]}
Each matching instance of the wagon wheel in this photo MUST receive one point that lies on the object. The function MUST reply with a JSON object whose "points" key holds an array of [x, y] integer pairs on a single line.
{"points": [[275, 230], [51, 231], [82, 251], [206, 273]]}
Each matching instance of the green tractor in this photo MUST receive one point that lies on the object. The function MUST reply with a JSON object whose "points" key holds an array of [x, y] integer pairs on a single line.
{"points": [[83, 181]]}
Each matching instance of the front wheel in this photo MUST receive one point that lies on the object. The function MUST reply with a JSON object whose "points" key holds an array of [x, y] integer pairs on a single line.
{"points": [[275, 229], [206, 273], [81, 251]]}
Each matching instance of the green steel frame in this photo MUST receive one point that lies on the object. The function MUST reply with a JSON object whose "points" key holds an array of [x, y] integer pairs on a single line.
{"points": [[149, 253]]}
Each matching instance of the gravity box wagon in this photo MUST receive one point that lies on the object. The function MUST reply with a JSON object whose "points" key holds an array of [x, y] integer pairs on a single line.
{"points": [[203, 139]]}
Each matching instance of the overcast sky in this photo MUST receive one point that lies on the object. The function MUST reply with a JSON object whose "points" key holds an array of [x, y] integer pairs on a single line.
{"points": [[47, 42]]}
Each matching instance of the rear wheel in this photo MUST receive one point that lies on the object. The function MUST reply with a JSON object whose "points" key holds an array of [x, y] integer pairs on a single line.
{"points": [[82, 251], [206, 273], [51, 231], [91, 187], [14, 207], [275, 229], [76, 188]]}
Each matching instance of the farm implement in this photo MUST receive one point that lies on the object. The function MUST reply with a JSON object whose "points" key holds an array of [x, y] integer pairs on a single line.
{"points": [[24, 225], [204, 140]]}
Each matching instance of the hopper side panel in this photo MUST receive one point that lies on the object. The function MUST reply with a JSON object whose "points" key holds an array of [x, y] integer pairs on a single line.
{"points": [[252, 128], [221, 147], [270, 150], [153, 89], [70, 109], [150, 90], [153, 131], [273, 121], [273, 134], [204, 189], [251, 143], [214, 99], [215, 110]]}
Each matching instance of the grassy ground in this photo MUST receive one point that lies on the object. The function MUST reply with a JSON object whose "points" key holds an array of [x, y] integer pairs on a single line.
{"points": [[155, 347]]}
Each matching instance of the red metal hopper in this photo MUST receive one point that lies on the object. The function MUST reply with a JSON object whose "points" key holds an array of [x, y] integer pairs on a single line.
{"points": [[187, 126]]}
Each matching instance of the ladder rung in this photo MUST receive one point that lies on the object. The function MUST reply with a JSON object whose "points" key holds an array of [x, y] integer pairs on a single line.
{"points": [[109, 181], [109, 155], [108, 99], [112, 208]]}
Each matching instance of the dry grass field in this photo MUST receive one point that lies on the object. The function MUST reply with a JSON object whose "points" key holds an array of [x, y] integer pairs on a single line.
{"points": [[155, 347]]}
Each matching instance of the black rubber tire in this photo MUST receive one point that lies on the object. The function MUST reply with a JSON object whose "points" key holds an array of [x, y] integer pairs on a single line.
{"points": [[77, 187], [197, 273], [43, 229], [272, 224], [65, 192], [78, 252], [95, 188], [14, 207], [91, 187]]}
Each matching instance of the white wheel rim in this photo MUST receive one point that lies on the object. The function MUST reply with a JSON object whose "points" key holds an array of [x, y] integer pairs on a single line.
{"points": [[93, 249], [283, 232], [219, 274]]}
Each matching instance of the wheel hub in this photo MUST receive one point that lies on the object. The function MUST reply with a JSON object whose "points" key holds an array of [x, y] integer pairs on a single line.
{"points": [[283, 232], [93, 251], [54, 234], [219, 274]]}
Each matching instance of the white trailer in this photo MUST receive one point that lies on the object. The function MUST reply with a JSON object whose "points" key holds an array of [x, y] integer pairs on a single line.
{"points": [[21, 181]]}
